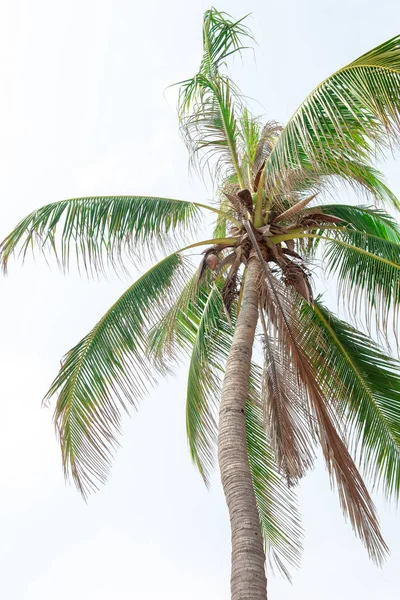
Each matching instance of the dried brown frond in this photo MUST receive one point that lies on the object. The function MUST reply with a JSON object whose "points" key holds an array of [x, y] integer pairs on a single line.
{"points": [[291, 188], [354, 497], [285, 410], [295, 275], [353, 494], [230, 291], [268, 137], [293, 210]]}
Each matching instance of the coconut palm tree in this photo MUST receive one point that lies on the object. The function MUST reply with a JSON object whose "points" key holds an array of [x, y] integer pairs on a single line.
{"points": [[279, 227]]}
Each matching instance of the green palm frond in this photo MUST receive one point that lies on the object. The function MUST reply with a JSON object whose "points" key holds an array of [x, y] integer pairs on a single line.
{"points": [[201, 331], [209, 126], [100, 229], [366, 219], [365, 179], [209, 101], [348, 117], [368, 269], [366, 383], [220, 229], [367, 265], [108, 370], [164, 347], [196, 326], [211, 343], [361, 177], [249, 131], [222, 37]]}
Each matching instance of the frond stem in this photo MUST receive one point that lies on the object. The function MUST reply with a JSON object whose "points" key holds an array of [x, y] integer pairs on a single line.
{"points": [[258, 209]]}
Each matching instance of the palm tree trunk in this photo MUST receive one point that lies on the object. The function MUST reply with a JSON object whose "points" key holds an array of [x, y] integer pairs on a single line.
{"points": [[248, 579]]}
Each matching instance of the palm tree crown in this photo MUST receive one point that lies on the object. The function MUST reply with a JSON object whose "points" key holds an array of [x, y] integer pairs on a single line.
{"points": [[322, 382]]}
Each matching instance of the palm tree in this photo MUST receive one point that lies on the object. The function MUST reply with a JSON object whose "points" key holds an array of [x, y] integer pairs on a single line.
{"points": [[322, 382]]}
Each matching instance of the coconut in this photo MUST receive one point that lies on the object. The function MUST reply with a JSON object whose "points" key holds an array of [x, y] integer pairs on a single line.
{"points": [[211, 261]]}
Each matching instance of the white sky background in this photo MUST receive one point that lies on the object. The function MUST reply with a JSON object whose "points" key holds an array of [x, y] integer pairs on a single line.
{"points": [[83, 112]]}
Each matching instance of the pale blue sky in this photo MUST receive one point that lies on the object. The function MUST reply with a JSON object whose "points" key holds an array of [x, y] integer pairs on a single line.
{"points": [[83, 112]]}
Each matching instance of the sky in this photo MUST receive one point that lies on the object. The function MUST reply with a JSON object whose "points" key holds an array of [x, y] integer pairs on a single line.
{"points": [[84, 110]]}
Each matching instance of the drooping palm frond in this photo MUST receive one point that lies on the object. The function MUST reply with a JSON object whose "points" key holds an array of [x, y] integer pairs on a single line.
{"points": [[102, 229], [276, 504], [285, 407], [206, 323], [348, 117], [353, 494], [195, 326], [285, 415], [164, 347], [365, 180], [210, 131], [204, 380], [108, 370], [368, 268], [366, 384], [367, 265], [199, 328]]}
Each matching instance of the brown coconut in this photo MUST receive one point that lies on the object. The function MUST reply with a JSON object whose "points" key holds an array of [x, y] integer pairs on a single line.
{"points": [[211, 261]]}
